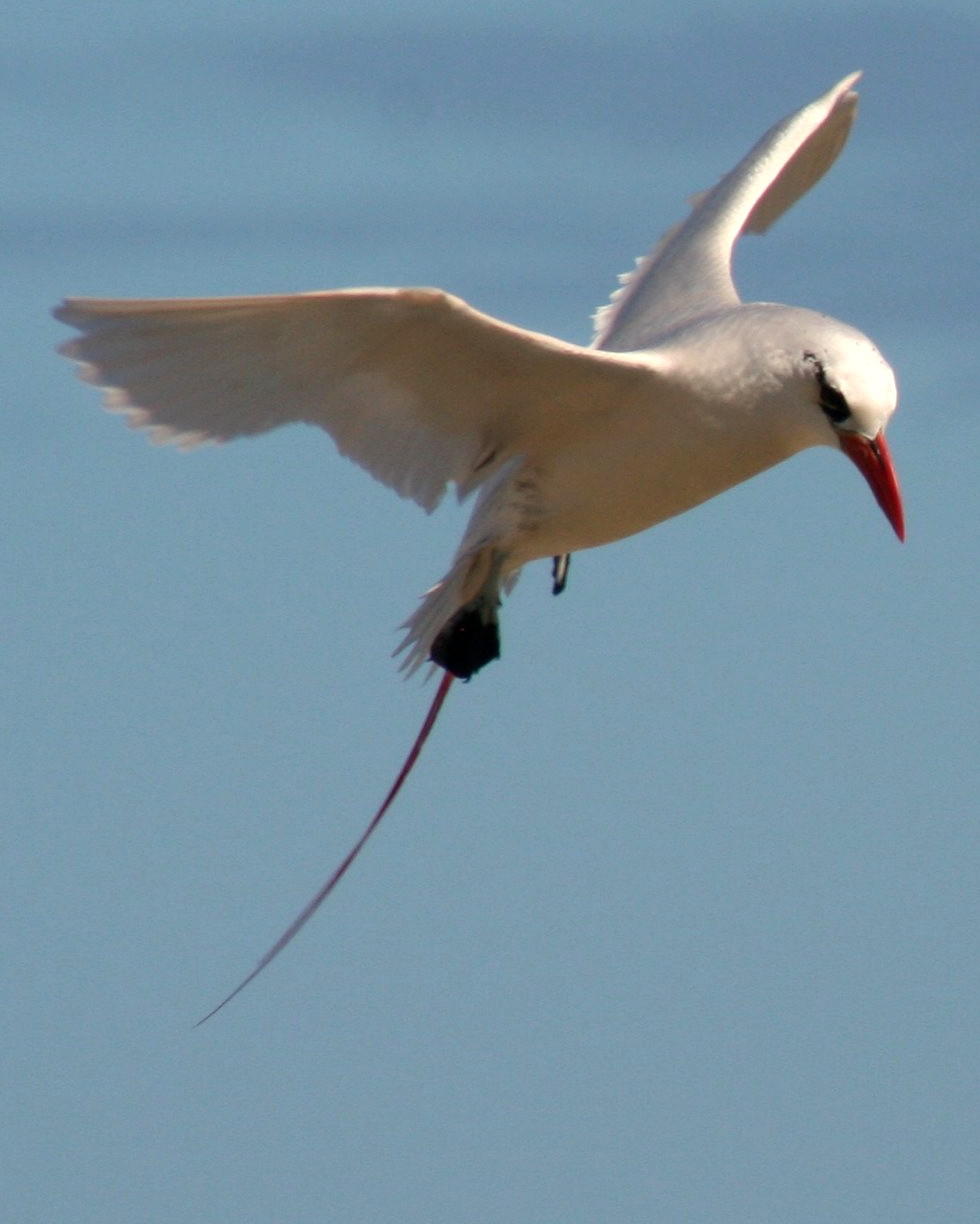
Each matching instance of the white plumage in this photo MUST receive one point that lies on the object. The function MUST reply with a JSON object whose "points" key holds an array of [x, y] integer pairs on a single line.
{"points": [[685, 392]]}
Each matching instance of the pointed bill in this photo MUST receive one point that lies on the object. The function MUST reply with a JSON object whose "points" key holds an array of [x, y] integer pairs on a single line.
{"points": [[872, 458]]}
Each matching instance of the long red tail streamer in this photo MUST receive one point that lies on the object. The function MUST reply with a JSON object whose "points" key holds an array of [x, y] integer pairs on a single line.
{"points": [[305, 915]]}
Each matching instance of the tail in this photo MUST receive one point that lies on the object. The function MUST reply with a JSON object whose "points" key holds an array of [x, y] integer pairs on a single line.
{"points": [[303, 918], [455, 625], [438, 605]]}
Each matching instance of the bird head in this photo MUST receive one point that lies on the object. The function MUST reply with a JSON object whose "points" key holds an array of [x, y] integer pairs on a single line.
{"points": [[854, 389]]}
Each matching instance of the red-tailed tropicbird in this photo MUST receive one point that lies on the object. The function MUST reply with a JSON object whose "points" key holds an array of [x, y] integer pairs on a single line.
{"points": [[684, 392]]}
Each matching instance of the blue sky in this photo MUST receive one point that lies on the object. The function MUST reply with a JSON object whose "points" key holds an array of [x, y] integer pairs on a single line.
{"points": [[677, 919]]}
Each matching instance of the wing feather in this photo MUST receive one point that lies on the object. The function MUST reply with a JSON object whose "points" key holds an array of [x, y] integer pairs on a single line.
{"points": [[688, 274], [413, 384]]}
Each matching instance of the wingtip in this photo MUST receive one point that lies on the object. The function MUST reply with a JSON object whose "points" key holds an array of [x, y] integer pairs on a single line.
{"points": [[846, 86]]}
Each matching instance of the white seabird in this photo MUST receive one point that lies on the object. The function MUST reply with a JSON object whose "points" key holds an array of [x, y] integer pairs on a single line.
{"points": [[685, 391]]}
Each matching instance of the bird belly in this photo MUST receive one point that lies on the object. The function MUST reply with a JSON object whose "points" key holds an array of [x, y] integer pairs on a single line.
{"points": [[603, 489]]}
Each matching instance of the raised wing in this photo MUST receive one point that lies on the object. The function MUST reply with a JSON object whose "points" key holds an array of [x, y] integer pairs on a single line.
{"points": [[688, 274], [412, 384]]}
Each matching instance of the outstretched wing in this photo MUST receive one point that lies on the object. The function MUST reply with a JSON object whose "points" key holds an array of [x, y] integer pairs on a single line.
{"points": [[412, 384], [689, 273]]}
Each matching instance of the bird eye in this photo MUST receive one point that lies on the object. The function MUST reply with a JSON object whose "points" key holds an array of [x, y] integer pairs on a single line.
{"points": [[832, 401]]}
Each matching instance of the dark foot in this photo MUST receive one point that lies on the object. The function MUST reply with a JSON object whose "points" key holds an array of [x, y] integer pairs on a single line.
{"points": [[559, 572], [467, 642]]}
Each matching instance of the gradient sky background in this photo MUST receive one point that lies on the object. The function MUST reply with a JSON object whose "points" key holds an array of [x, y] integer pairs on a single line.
{"points": [[678, 919]]}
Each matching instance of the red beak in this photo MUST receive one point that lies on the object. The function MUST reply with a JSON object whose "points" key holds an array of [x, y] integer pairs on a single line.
{"points": [[872, 459]]}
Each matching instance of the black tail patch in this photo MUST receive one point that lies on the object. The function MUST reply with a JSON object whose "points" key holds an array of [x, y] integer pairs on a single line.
{"points": [[467, 642]]}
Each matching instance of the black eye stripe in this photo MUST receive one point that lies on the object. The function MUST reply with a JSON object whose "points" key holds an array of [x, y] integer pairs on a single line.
{"points": [[832, 400], [834, 404]]}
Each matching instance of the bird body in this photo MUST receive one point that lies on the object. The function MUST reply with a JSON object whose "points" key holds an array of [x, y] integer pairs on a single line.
{"points": [[684, 392]]}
